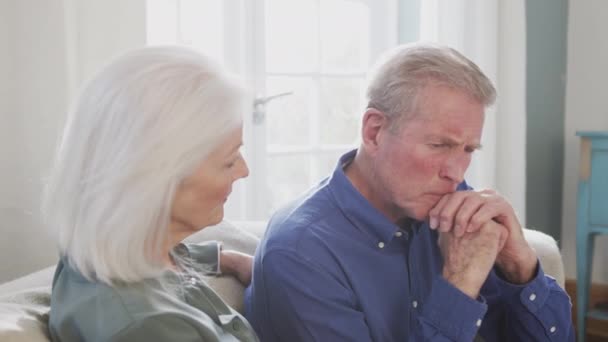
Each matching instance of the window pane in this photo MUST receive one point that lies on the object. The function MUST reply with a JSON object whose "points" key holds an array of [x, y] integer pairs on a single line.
{"points": [[288, 177], [202, 26], [291, 35], [288, 118], [195, 23], [341, 109], [326, 163], [344, 35]]}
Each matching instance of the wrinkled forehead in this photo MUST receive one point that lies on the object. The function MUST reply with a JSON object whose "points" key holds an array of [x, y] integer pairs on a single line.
{"points": [[448, 115]]}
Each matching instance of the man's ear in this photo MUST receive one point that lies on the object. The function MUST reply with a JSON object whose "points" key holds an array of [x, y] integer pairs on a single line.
{"points": [[374, 124]]}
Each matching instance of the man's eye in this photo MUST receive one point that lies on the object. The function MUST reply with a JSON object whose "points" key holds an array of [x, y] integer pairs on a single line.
{"points": [[438, 145]]}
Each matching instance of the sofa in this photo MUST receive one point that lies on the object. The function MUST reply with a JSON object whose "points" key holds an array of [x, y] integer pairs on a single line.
{"points": [[24, 302]]}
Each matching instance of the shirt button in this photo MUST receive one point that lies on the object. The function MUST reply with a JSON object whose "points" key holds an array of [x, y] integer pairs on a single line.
{"points": [[532, 297], [381, 244], [193, 281], [398, 233], [415, 304], [478, 323], [552, 330]]}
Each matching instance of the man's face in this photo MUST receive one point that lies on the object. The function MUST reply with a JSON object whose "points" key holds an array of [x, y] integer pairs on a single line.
{"points": [[429, 153]]}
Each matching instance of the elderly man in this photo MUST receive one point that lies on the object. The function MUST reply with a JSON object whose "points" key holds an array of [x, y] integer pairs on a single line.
{"points": [[394, 245]]}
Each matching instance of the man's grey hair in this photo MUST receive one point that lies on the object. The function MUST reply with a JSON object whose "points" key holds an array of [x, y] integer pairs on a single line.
{"points": [[399, 75]]}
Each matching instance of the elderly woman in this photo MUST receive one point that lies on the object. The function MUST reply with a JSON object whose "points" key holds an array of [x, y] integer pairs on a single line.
{"points": [[148, 157]]}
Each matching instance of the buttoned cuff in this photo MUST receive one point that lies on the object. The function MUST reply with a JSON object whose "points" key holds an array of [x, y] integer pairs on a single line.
{"points": [[531, 295], [206, 254], [534, 299], [452, 312]]}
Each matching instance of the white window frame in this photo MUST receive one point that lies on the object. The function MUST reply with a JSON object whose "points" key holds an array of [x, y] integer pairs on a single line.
{"points": [[244, 53]]}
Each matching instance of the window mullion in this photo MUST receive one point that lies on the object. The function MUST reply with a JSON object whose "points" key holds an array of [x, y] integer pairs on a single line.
{"points": [[315, 115], [257, 202]]}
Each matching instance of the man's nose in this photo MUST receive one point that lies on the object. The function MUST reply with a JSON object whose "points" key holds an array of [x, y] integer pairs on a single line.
{"points": [[454, 168]]}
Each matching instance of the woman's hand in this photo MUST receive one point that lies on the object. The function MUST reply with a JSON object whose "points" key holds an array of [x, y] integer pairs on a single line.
{"points": [[237, 264]]}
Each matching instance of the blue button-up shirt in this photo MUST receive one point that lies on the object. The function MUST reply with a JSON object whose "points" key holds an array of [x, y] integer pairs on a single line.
{"points": [[333, 268]]}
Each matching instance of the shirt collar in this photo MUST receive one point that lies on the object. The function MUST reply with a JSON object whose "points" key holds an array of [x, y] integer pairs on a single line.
{"points": [[356, 207]]}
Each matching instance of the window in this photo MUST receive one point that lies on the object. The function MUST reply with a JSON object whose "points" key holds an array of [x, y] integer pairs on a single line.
{"points": [[306, 62]]}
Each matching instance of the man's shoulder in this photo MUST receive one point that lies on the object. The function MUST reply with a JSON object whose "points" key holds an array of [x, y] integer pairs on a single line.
{"points": [[299, 222]]}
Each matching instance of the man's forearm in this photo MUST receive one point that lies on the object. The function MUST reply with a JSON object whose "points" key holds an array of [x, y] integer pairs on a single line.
{"points": [[518, 269]]}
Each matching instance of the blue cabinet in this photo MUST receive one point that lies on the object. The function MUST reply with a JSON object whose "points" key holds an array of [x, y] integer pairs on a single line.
{"points": [[592, 218]]}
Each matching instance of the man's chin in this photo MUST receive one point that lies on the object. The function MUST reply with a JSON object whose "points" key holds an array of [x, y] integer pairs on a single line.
{"points": [[421, 215], [418, 213]]}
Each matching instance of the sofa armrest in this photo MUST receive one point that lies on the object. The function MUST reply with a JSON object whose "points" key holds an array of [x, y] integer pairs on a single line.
{"points": [[548, 254], [40, 278]]}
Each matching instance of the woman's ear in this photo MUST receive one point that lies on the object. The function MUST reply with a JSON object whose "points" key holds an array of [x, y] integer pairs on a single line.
{"points": [[374, 124]]}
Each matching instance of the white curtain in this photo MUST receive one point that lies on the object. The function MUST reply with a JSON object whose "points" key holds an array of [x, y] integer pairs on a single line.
{"points": [[492, 34]]}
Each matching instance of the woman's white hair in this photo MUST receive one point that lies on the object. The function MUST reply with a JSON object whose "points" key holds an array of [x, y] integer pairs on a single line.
{"points": [[138, 128], [398, 76]]}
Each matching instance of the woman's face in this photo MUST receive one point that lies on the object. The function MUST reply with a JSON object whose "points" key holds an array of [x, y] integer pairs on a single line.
{"points": [[199, 199]]}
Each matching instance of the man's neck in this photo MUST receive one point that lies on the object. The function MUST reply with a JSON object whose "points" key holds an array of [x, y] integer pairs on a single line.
{"points": [[362, 177]]}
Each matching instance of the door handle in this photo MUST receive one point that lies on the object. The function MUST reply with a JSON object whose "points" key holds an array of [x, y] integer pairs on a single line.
{"points": [[259, 106]]}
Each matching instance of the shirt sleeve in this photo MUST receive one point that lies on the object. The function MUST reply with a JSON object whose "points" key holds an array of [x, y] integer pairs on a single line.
{"points": [[440, 321], [308, 303], [537, 311], [206, 254]]}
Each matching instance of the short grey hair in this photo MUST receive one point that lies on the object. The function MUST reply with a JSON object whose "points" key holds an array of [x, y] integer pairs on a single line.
{"points": [[398, 76], [139, 127]]}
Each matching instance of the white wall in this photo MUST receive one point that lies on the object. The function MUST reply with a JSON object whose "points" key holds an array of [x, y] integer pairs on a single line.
{"points": [[36, 97], [48, 48], [7, 62], [96, 31], [586, 109]]}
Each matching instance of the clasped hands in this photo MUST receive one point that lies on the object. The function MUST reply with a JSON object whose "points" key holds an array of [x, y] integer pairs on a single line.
{"points": [[477, 230]]}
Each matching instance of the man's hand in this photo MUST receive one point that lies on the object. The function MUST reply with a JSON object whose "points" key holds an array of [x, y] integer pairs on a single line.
{"points": [[467, 211], [237, 264], [469, 258]]}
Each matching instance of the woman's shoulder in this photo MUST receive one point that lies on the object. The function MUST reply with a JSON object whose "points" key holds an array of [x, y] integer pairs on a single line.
{"points": [[97, 309], [146, 310]]}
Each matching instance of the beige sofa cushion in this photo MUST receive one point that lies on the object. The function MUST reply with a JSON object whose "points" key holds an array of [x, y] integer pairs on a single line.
{"points": [[24, 315]]}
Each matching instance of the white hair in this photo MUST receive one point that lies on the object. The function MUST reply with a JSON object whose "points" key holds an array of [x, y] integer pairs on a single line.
{"points": [[398, 76], [138, 128]]}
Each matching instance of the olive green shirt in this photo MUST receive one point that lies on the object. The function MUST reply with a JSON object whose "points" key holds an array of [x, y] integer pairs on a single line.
{"points": [[82, 310]]}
